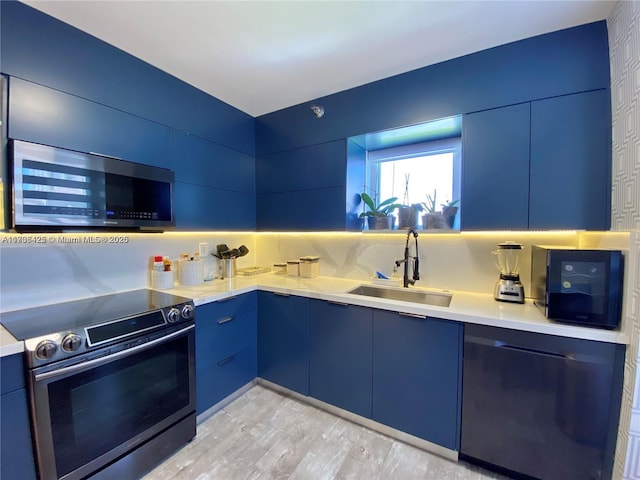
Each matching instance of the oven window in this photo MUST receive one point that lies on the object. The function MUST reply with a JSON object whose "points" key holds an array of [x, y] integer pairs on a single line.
{"points": [[96, 411]]}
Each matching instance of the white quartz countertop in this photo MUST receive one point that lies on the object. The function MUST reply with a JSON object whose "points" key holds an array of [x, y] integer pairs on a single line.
{"points": [[465, 306]]}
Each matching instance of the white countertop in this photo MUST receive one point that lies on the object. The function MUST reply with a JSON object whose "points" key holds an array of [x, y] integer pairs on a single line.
{"points": [[465, 306]]}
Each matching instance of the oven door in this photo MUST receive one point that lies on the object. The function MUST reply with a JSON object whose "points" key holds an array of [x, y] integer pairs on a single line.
{"points": [[89, 414]]}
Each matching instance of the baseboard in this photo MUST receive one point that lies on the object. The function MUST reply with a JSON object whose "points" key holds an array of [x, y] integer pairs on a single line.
{"points": [[365, 422]]}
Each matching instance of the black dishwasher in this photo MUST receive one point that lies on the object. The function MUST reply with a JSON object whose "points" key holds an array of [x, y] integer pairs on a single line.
{"points": [[540, 406]]}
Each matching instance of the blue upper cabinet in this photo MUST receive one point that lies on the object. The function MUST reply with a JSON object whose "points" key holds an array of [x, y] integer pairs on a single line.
{"points": [[303, 189], [69, 89], [43, 115], [558, 63], [571, 162], [495, 169], [39, 48], [539, 166]]}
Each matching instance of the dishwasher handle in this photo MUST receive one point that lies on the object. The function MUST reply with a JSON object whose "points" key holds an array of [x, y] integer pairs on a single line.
{"points": [[569, 356]]}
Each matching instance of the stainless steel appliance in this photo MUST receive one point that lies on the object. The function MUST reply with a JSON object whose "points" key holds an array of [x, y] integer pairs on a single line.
{"points": [[541, 406], [111, 382], [59, 189], [582, 287], [509, 288]]}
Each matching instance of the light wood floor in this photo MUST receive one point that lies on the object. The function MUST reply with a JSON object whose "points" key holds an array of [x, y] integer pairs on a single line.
{"points": [[265, 435]]}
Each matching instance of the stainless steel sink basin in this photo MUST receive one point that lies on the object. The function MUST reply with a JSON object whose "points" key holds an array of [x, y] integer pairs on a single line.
{"points": [[404, 295]]}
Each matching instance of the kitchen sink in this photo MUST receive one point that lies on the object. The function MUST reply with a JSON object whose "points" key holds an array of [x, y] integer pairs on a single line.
{"points": [[404, 295]]}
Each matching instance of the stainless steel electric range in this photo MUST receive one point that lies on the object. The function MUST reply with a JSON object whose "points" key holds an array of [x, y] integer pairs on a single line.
{"points": [[111, 382]]}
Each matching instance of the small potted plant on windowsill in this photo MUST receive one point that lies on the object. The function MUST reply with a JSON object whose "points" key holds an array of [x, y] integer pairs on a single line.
{"points": [[450, 210], [432, 219], [379, 216], [408, 213]]}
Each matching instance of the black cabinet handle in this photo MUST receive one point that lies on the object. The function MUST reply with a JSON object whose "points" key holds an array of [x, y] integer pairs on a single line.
{"points": [[281, 294], [225, 320], [342, 304], [413, 315], [226, 360]]}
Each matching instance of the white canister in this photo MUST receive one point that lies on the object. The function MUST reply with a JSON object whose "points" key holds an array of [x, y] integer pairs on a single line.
{"points": [[309, 266], [293, 267], [162, 280], [190, 272]]}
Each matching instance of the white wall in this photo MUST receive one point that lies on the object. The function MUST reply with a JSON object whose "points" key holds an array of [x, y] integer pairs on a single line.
{"points": [[624, 50]]}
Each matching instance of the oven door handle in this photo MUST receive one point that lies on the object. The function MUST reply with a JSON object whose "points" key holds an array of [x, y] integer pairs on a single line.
{"points": [[111, 357]]}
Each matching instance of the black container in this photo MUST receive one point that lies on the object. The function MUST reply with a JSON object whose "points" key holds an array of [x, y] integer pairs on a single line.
{"points": [[582, 287]]}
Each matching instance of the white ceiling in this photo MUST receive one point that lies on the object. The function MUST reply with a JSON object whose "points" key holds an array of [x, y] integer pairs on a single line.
{"points": [[261, 56]]}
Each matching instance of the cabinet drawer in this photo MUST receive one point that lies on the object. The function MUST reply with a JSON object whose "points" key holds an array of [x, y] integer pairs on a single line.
{"points": [[16, 432], [225, 328], [22, 469], [224, 377], [11, 373]]}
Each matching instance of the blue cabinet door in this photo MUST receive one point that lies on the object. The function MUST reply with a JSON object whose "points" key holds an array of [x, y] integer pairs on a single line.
{"points": [[340, 355], [495, 169], [226, 348], [416, 376], [16, 462], [283, 340], [571, 162], [303, 189], [43, 115]]}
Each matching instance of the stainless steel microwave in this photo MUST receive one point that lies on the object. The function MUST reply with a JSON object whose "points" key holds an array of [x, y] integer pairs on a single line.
{"points": [[582, 287], [56, 189]]}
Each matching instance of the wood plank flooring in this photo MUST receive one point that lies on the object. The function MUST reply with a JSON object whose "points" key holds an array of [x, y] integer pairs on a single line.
{"points": [[264, 435]]}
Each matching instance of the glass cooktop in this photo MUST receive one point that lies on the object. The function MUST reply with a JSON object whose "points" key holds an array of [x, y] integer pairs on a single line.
{"points": [[60, 317]]}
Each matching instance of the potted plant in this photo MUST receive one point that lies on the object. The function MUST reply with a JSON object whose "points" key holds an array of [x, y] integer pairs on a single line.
{"points": [[379, 216], [432, 219], [408, 214], [450, 210]]}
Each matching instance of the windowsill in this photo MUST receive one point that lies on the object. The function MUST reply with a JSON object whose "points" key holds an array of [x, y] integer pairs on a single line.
{"points": [[403, 231]]}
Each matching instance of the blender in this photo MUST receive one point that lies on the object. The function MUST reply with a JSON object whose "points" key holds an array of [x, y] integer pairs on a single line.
{"points": [[508, 257]]}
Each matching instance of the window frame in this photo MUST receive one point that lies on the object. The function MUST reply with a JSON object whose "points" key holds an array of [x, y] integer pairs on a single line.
{"points": [[424, 149]]}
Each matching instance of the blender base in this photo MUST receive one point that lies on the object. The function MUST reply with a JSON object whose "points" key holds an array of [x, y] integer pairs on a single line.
{"points": [[509, 291]]}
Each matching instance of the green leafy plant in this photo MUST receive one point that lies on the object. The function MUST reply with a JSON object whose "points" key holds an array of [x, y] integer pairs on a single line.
{"points": [[383, 209], [430, 205], [449, 204]]}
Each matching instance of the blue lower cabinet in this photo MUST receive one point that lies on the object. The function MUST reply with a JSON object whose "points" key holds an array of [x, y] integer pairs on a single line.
{"points": [[340, 355], [16, 455], [416, 376], [226, 355], [224, 377], [283, 340]]}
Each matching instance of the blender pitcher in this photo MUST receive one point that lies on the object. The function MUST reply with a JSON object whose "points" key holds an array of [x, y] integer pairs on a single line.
{"points": [[507, 258]]}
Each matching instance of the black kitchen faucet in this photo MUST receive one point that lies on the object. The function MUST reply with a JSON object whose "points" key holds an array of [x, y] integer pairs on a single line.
{"points": [[416, 261]]}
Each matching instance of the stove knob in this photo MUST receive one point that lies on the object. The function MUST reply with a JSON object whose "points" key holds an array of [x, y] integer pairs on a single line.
{"points": [[71, 342], [187, 312], [46, 349], [173, 315]]}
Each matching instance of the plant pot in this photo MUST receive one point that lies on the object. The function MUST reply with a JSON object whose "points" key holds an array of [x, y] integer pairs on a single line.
{"points": [[450, 214], [432, 221], [380, 223], [407, 217]]}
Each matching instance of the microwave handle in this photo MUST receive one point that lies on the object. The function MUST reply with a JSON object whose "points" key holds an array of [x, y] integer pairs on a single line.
{"points": [[109, 358]]}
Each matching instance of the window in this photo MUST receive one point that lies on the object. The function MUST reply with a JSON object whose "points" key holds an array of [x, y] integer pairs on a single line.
{"points": [[411, 172]]}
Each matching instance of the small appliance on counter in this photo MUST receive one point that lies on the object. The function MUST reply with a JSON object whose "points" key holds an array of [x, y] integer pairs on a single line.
{"points": [[582, 287], [509, 288]]}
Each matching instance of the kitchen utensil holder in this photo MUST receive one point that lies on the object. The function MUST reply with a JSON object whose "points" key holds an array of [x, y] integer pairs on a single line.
{"points": [[227, 267]]}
